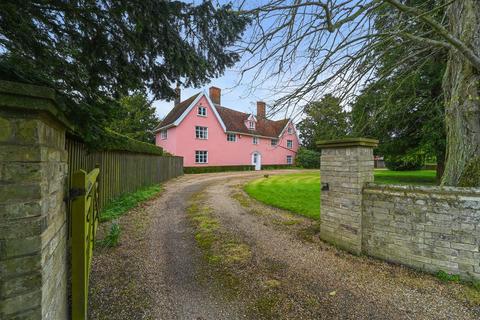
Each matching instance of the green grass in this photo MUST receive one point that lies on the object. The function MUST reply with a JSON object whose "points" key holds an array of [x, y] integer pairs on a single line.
{"points": [[419, 177], [128, 201], [300, 192], [113, 236]]}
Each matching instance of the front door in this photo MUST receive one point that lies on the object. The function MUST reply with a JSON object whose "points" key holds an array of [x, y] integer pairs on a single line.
{"points": [[257, 160]]}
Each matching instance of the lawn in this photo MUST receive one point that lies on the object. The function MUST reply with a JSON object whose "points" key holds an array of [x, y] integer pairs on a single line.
{"points": [[300, 192]]}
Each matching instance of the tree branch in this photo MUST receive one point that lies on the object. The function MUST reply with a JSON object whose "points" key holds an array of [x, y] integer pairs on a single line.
{"points": [[455, 42]]}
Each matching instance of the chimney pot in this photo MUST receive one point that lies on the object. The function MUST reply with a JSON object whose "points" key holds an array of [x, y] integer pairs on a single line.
{"points": [[215, 95], [261, 109]]}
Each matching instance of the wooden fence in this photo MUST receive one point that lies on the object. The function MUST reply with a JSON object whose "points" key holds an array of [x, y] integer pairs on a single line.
{"points": [[121, 171]]}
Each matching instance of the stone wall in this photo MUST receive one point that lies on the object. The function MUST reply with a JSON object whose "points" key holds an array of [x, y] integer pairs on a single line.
{"points": [[33, 168], [428, 228]]}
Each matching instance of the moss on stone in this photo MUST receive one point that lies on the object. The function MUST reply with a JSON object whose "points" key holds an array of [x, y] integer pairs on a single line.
{"points": [[471, 174]]}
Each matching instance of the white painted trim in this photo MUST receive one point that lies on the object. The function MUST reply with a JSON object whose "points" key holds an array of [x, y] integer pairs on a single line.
{"points": [[294, 130], [163, 128], [252, 135], [215, 111]]}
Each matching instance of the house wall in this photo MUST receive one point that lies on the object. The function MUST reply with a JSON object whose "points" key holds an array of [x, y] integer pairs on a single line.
{"points": [[181, 141]]}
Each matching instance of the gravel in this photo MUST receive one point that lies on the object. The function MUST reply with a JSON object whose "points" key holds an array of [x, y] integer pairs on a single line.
{"points": [[156, 271]]}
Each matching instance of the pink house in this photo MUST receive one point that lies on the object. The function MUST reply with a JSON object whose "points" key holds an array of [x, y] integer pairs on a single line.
{"points": [[205, 133]]}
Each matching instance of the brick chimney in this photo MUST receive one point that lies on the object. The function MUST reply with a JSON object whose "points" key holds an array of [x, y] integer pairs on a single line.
{"points": [[215, 94], [261, 109], [178, 93]]}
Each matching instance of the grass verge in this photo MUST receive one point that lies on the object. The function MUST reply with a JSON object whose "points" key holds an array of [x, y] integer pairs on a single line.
{"points": [[300, 192], [128, 201]]}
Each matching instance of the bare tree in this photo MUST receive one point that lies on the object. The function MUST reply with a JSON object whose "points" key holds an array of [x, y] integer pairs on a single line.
{"points": [[315, 47]]}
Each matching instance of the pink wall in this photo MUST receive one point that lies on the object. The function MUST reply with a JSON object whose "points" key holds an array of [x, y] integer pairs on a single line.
{"points": [[181, 141]]}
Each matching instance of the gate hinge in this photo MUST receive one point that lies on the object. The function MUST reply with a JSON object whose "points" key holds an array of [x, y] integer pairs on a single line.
{"points": [[76, 192]]}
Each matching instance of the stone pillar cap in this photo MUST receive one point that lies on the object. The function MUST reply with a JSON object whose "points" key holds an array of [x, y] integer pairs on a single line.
{"points": [[22, 96], [347, 142]]}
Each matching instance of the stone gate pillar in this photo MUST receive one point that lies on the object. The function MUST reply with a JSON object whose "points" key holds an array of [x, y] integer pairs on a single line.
{"points": [[345, 166], [33, 228]]}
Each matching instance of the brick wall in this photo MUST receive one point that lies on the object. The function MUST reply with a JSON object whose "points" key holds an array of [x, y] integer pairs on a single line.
{"points": [[33, 168], [428, 228]]}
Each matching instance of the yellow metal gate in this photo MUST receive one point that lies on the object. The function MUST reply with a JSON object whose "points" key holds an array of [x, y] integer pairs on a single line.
{"points": [[84, 220]]}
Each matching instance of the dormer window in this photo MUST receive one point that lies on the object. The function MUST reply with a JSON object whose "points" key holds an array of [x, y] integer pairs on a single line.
{"points": [[251, 125], [202, 111]]}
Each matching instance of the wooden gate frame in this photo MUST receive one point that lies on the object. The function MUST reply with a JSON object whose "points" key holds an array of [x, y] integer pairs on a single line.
{"points": [[84, 219]]}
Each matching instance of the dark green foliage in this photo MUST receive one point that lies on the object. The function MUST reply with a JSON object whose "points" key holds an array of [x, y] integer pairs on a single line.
{"points": [[277, 166], [210, 169], [471, 175], [135, 118], [112, 140], [404, 110], [95, 52], [306, 158], [128, 201], [411, 161], [324, 120], [113, 236]]}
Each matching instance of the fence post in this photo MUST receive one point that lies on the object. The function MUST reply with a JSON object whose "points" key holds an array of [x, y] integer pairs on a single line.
{"points": [[33, 228], [345, 166]]}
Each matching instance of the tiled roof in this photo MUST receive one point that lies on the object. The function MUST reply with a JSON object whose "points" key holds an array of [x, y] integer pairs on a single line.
{"points": [[233, 120], [177, 111]]}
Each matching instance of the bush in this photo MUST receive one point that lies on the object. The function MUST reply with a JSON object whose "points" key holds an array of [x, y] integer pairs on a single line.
{"points": [[471, 175], [307, 158], [276, 166], [413, 161], [210, 169]]}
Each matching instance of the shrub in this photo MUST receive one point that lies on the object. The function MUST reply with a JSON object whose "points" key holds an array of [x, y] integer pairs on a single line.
{"points": [[307, 158], [471, 175], [276, 166], [210, 169], [412, 161]]}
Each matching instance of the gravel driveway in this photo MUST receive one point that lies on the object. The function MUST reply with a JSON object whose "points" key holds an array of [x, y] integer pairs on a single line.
{"points": [[159, 272]]}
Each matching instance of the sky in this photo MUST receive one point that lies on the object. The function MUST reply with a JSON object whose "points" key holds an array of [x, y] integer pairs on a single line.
{"points": [[237, 93]]}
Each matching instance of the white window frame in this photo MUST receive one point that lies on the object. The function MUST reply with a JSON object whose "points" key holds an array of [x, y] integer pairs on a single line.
{"points": [[290, 130], [201, 132], [201, 155], [200, 114], [289, 159], [274, 142], [255, 140], [229, 135], [164, 134], [289, 144], [251, 125]]}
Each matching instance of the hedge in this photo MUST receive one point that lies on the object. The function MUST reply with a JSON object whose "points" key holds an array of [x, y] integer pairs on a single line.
{"points": [[277, 166], [210, 169], [114, 141]]}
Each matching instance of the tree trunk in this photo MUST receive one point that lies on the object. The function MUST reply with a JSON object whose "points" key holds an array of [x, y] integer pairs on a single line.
{"points": [[461, 85], [440, 166]]}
